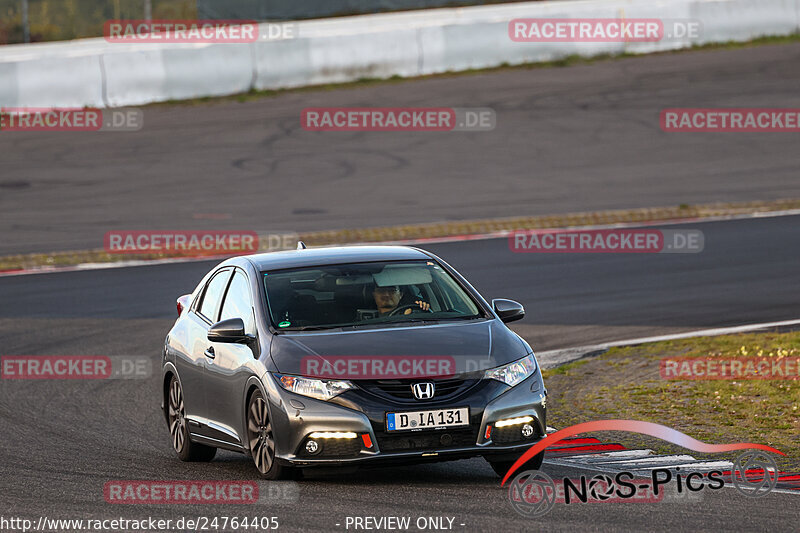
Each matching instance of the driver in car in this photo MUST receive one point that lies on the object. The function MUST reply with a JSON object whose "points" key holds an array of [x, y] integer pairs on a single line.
{"points": [[388, 298]]}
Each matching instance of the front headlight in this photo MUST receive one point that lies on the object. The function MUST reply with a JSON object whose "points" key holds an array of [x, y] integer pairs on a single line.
{"points": [[322, 389], [514, 373]]}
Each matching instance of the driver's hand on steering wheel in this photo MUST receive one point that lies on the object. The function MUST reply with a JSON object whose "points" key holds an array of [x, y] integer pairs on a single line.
{"points": [[425, 306]]}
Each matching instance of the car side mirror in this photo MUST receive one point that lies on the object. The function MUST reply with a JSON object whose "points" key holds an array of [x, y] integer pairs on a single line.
{"points": [[508, 310], [231, 330]]}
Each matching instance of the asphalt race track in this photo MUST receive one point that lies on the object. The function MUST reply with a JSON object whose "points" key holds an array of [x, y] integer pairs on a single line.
{"points": [[63, 440], [581, 138], [746, 274]]}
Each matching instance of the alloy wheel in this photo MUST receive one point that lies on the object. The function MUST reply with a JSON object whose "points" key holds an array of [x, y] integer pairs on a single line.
{"points": [[177, 416], [262, 443]]}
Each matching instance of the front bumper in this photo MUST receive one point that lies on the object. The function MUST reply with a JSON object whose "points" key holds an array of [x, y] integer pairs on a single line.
{"points": [[361, 413]]}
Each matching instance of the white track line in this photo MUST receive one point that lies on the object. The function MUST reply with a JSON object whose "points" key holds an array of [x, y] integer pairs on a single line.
{"points": [[611, 457], [554, 358], [642, 224], [654, 461], [701, 465], [118, 264], [641, 465], [648, 462], [624, 455]]}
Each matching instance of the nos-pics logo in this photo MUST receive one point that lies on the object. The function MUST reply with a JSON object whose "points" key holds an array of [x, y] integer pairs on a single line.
{"points": [[533, 493]]}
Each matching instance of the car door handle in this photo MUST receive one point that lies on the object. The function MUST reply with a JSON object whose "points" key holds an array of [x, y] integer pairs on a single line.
{"points": [[210, 352]]}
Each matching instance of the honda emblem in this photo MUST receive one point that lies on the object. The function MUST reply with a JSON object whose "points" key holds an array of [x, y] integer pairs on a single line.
{"points": [[423, 391]]}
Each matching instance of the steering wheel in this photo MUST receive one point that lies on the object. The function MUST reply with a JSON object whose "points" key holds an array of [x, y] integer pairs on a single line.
{"points": [[402, 309]]}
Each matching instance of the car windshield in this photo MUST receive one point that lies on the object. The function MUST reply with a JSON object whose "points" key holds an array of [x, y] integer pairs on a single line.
{"points": [[365, 294]]}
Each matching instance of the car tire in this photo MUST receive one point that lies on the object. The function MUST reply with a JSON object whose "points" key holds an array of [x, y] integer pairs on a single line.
{"points": [[261, 440], [501, 468], [179, 430]]}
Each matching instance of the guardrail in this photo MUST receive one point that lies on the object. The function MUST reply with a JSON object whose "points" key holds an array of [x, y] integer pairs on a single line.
{"points": [[97, 73]]}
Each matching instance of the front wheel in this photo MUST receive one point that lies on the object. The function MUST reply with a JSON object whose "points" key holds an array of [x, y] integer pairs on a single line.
{"points": [[502, 467], [262, 440], [178, 430]]}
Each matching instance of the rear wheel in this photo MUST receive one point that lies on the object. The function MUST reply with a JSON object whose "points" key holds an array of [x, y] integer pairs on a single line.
{"points": [[262, 440], [179, 431], [502, 467]]}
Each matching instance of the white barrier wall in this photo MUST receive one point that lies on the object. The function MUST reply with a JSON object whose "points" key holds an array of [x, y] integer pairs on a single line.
{"points": [[93, 72], [141, 73]]}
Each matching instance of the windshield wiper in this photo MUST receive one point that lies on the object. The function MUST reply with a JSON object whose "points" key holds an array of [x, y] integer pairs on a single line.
{"points": [[382, 323], [433, 319], [309, 328], [407, 320]]}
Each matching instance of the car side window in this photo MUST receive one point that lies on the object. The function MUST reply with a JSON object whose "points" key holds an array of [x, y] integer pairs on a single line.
{"points": [[237, 302], [210, 304]]}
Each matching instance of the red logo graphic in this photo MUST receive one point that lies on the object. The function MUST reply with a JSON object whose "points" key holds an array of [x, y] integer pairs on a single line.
{"points": [[56, 367], [730, 119], [68, 119], [715, 368], [50, 119], [605, 241], [181, 31], [585, 30], [377, 367], [181, 242], [378, 119], [182, 492]]}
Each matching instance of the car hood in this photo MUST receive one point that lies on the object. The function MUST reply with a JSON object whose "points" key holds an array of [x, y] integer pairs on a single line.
{"points": [[399, 352]]}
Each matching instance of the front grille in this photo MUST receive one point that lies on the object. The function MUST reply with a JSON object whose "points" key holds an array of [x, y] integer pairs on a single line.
{"points": [[510, 434], [426, 440], [507, 434], [334, 448], [400, 389]]}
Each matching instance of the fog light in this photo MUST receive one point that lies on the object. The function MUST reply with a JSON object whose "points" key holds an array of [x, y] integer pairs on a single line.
{"points": [[312, 446], [333, 435], [527, 430], [514, 421]]}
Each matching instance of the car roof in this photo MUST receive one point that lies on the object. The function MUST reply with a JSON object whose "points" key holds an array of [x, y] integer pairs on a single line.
{"points": [[334, 255]]}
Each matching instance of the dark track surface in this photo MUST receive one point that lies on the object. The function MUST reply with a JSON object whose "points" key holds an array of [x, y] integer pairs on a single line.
{"points": [[63, 440], [567, 139]]}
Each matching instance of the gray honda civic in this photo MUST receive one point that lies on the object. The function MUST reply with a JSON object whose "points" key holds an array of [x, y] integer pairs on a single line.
{"points": [[348, 357]]}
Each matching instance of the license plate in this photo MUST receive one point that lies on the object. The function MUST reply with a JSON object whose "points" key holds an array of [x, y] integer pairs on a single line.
{"points": [[430, 419]]}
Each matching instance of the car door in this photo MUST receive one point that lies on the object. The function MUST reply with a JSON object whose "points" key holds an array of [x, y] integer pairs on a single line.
{"points": [[228, 372], [191, 369]]}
